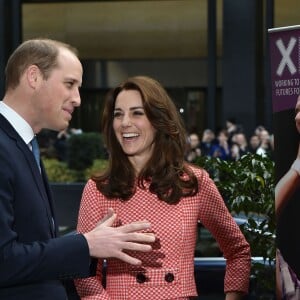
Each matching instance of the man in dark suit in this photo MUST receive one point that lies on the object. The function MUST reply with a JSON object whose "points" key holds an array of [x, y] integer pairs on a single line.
{"points": [[42, 89]]}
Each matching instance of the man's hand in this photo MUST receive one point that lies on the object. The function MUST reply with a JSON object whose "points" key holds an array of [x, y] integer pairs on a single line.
{"points": [[105, 241]]}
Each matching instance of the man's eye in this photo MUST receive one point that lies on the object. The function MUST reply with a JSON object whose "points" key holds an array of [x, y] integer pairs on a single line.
{"points": [[70, 84]]}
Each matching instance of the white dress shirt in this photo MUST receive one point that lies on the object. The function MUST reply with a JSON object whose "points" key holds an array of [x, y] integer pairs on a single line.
{"points": [[17, 122]]}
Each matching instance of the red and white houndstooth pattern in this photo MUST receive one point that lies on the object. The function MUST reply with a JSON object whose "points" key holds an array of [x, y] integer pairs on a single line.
{"points": [[175, 227]]}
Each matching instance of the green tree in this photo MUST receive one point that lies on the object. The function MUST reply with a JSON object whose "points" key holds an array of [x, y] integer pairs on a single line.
{"points": [[248, 186]]}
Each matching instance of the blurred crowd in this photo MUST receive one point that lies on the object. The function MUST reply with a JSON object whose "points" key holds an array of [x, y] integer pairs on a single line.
{"points": [[229, 143]]}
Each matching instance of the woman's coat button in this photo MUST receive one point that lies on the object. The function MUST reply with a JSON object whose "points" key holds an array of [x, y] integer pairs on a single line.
{"points": [[141, 278], [169, 277]]}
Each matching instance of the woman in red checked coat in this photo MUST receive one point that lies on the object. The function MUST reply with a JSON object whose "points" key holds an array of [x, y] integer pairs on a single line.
{"points": [[148, 179]]}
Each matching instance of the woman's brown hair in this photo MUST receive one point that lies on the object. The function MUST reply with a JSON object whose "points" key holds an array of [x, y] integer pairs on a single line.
{"points": [[169, 176]]}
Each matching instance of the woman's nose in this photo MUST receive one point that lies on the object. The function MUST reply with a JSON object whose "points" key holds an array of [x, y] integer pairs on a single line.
{"points": [[126, 121]]}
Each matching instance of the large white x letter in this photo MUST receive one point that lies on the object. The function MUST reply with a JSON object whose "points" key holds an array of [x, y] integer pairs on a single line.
{"points": [[286, 60]]}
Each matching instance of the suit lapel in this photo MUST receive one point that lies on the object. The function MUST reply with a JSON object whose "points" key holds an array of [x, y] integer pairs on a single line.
{"points": [[40, 180], [50, 198]]}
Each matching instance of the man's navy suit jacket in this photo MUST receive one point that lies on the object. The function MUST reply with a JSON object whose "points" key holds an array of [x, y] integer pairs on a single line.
{"points": [[33, 261]]}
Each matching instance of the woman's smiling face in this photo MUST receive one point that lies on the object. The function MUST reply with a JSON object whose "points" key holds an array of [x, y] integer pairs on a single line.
{"points": [[133, 129]]}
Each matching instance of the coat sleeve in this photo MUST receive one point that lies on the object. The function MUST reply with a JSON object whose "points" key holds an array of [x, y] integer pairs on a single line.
{"points": [[28, 251], [55, 259], [90, 213], [215, 216]]}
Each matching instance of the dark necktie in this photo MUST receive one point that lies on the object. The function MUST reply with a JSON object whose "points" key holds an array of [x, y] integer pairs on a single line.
{"points": [[36, 151]]}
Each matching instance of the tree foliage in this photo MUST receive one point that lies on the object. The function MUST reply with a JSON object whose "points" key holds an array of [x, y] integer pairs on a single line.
{"points": [[248, 188]]}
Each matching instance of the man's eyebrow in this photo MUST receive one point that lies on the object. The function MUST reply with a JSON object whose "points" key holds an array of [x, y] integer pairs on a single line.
{"points": [[73, 81]]}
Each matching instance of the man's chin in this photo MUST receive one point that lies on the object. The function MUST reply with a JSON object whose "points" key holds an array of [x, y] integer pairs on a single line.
{"points": [[61, 127]]}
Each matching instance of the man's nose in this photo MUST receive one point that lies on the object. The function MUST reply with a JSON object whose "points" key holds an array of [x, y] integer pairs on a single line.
{"points": [[76, 99]]}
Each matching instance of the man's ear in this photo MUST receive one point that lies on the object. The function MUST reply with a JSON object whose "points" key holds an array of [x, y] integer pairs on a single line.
{"points": [[33, 76]]}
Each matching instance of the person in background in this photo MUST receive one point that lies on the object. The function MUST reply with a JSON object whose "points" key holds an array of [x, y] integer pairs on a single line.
{"points": [[240, 139], [232, 127], [265, 148], [258, 129], [61, 144], [221, 149], [235, 153], [43, 78], [193, 148], [148, 177], [254, 143], [207, 141]]}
